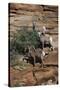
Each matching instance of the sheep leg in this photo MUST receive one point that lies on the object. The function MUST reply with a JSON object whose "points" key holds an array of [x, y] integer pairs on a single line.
{"points": [[34, 62], [43, 45], [42, 64]]}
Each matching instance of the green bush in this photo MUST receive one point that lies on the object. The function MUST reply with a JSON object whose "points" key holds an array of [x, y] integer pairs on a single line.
{"points": [[23, 38]]}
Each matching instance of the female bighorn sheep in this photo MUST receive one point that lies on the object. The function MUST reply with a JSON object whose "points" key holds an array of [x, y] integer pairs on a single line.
{"points": [[34, 55], [45, 41]]}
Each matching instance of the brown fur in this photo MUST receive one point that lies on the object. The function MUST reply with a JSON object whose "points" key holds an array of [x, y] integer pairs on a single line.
{"points": [[35, 55]]}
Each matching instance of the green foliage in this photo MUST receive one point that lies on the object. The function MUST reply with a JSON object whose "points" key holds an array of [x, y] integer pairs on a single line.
{"points": [[21, 40]]}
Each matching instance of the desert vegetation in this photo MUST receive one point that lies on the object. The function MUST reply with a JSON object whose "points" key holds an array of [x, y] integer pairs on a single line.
{"points": [[26, 55], [21, 40]]}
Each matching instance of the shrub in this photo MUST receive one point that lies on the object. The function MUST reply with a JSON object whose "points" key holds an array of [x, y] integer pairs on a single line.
{"points": [[21, 40], [26, 38]]}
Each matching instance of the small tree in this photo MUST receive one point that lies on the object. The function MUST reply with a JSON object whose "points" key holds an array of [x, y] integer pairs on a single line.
{"points": [[23, 38]]}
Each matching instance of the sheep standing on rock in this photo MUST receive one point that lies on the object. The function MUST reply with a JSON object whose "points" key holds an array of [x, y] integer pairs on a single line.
{"points": [[45, 40], [34, 55]]}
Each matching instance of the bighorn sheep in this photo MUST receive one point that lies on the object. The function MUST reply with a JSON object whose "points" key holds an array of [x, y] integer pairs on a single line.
{"points": [[34, 55], [45, 40]]}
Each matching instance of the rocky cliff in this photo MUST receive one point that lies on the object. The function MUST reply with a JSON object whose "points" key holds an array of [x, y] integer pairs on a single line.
{"points": [[24, 14]]}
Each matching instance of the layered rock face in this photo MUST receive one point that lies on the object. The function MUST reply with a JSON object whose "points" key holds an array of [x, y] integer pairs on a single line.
{"points": [[25, 14]]}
